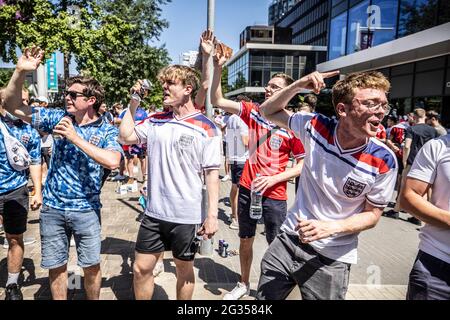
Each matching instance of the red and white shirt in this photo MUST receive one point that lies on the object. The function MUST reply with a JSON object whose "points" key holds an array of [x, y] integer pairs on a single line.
{"points": [[269, 150], [381, 132]]}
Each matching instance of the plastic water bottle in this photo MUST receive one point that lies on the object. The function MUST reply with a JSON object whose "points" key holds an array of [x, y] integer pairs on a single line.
{"points": [[256, 203]]}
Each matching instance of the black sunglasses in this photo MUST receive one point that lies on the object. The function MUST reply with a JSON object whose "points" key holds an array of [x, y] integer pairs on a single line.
{"points": [[74, 94]]}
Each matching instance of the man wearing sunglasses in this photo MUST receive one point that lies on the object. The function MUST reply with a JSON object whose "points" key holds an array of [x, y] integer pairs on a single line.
{"points": [[87, 145], [348, 179]]}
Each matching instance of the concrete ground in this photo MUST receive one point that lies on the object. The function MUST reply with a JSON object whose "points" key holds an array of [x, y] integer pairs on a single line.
{"points": [[386, 255]]}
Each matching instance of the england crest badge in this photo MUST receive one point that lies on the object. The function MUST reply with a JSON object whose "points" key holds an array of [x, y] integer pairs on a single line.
{"points": [[353, 188]]}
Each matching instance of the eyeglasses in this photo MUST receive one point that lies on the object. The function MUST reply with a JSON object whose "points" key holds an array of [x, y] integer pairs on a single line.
{"points": [[373, 107], [273, 86], [73, 94]]}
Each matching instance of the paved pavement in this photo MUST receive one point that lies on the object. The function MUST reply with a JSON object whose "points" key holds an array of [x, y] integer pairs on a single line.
{"points": [[386, 254]]}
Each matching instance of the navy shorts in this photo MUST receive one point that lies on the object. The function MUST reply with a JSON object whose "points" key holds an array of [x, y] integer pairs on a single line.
{"points": [[274, 213]]}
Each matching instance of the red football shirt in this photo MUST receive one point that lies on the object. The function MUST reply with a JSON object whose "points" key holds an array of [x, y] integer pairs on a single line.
{"points": [[272, 154]]}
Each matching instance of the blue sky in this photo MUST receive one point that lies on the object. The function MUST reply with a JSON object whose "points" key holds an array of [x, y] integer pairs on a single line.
{"points": [[188, 18]]}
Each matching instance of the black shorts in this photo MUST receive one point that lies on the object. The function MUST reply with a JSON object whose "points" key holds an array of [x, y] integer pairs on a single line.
{"points": [[14, 209], [157, 236], [274, 213], [224, 148], [236, 172], [45, 156]]}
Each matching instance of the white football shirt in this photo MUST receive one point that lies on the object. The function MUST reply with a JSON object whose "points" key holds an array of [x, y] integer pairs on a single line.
{"points": [[335, 183], [178, 150], [432, 165]]}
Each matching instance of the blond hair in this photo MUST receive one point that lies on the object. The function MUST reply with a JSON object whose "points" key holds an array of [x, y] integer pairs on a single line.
{"points": [[419, 113], [186, 75], [344, 90]]}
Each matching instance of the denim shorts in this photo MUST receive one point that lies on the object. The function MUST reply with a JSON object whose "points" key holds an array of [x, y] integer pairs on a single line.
{"points": [[57, 227]]}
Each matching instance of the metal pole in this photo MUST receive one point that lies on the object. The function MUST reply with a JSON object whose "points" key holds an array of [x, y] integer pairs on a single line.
{"points": [[41, 81], [210, 26]]}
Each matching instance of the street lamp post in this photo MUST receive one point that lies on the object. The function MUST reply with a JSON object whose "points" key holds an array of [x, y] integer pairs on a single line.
{"points": [[210, 26]]}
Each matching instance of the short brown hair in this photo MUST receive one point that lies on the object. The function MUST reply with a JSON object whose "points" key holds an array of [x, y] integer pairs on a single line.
{"points": [[92, 88], [419, 113], [433, 114], [343, 90], [186, 75], [287, 79], [311, 99]]}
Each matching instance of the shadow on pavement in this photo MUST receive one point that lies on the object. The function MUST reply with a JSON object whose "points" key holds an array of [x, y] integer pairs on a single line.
{"points": [[214, 275]]}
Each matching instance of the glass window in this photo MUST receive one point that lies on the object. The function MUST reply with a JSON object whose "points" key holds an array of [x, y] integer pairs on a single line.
{"points": [[338, 31], [444, 11], [447, 84], [358, 36], [416, 15], [429, 83], [401, 86], [430, 64], [383, 21], [402, 69], [385, 72]]}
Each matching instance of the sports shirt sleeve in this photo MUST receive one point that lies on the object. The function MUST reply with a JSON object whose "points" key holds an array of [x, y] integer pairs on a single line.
{"points": [[426, 161]]}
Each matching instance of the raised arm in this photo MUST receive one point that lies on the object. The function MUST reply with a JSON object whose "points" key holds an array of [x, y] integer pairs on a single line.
{"points": [[207, 40], [276, 103], [106, 158], [217, 98], [29, 61], [127, 135]]}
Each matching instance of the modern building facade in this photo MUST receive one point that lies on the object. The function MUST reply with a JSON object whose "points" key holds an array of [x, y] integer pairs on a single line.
{"points": [[278, 9], [251, 68], [265, 51], [308, 20], [407, 40], [188, 58]]}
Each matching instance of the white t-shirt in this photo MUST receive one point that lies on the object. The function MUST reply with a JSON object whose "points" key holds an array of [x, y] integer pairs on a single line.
{"points": [[236, 129], [47, 141], [335, 183], [432, 165], [178, 150]]}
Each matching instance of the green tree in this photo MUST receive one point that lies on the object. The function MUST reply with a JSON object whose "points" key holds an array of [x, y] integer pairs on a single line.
{"points": [[106, 41], [5, 75], [140, 60]]}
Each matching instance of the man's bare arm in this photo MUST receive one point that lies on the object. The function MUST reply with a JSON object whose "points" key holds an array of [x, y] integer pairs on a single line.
{"points": [[412, 201], [217, 98], [312, 230], [276, 103], [29, 61]]}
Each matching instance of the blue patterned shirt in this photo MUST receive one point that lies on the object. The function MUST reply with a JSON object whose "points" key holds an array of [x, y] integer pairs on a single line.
{"points": [[11, 179], [74, 179]]}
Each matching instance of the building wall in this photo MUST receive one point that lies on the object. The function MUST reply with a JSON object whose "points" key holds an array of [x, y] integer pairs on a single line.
{"points": [[356, 25], [309, 21], [278, 9], [256, 67]]}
